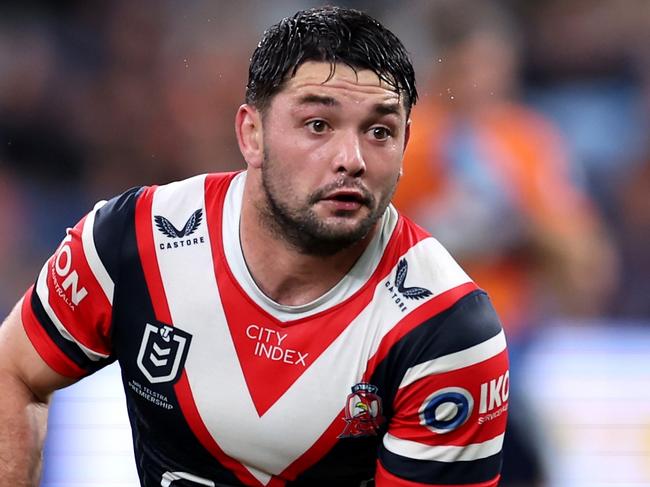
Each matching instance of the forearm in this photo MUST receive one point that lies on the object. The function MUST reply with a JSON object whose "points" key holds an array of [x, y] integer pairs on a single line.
{"points": [[23, 422]]}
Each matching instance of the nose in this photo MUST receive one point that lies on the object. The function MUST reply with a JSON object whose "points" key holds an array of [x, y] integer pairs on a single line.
{"points": [[349, 155]]}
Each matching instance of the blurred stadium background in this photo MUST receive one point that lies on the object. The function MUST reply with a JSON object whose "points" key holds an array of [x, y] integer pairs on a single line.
{"points": [[530, 160]]}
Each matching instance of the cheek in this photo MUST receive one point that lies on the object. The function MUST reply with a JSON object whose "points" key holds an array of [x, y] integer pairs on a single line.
{"points": [[291, 152], [385, 165], [288, 170], [383, 180]]}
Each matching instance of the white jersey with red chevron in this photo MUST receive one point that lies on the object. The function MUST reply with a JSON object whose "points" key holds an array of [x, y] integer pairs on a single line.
{"points": [[398, 375]]}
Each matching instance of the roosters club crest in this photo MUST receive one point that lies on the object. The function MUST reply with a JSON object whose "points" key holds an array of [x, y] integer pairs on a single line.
{"points": [[363, 411], [163, 351]]}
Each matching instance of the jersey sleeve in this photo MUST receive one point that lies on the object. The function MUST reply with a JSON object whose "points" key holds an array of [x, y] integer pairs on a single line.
{"points": [[450, 407], [67, 313]]}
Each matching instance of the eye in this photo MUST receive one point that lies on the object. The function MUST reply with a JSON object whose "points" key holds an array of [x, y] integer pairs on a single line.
{"points": [[380, 133], [318, 126]]}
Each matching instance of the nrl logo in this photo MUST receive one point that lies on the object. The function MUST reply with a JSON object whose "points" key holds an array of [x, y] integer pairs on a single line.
{"points": [[408, 292], [169, 230], [163, 351]]}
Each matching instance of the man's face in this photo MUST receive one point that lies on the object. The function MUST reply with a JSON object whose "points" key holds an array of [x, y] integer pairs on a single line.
{"points": [[332, 156]]}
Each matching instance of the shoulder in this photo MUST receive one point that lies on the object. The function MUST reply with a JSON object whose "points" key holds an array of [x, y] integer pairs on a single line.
{"points": [[177, 203], [441, 310], [109, 213], [423, 259], [444, 311], [451, 335], [469, 324], [175, 193]]}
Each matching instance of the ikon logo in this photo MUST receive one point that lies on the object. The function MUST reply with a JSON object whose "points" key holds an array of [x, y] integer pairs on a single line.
{"points": [[163, 351], [494, 393], [63, 268]]}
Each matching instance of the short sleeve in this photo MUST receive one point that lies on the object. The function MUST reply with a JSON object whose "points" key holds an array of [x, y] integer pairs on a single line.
{"points": [[450, 408], [67, 313]]}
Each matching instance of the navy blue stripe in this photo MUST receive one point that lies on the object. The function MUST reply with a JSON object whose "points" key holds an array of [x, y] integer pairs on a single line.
{"points": [[110, 223], [350, 462], [453, 473], [470, 321], [163, 440], [69, 348]]}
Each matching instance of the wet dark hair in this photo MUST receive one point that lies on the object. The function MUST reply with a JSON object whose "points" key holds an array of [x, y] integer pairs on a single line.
{"points": [[329, 34]]}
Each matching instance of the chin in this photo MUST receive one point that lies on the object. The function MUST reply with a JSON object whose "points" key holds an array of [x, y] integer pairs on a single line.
{"points": [[347, 232], [343, 229]]}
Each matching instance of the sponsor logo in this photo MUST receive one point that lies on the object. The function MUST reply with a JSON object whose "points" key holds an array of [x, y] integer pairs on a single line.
{"points": [[154, 397], [399, 290], [268, 343], [446, 409], [169, 230], [494, 398], [363, 411], [408, 292], [68, 289], [166, 227], [163, 351]]}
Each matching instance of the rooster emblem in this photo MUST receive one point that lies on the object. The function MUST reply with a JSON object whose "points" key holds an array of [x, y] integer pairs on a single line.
{"points": [[363, 411], [168, 229]]}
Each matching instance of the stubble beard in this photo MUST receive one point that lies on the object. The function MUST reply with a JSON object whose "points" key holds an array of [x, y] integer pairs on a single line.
{"points": [[302, 228]]}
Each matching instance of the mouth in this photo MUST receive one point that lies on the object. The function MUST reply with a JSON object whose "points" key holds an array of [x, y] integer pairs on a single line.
{"points": [[345, 200], [346, 196]]}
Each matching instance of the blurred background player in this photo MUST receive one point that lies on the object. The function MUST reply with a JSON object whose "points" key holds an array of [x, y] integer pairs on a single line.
{"points": [[490, 177]]}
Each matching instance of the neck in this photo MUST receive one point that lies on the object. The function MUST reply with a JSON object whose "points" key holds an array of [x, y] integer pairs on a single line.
{"points": [[283, 273]]}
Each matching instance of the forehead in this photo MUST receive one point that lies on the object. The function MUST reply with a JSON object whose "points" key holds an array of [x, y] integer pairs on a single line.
{"points": [[360, 85]]}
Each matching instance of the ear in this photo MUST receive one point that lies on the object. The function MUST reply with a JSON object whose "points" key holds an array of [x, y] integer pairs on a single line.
{"points": [[248, 126]]}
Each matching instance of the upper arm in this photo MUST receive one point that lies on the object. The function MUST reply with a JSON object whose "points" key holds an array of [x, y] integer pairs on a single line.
{"points": [[20, 361], [450, 407], [66, 318]]}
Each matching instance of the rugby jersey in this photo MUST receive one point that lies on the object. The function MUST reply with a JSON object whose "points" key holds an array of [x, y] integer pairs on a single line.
{"points": [[398, 375]]}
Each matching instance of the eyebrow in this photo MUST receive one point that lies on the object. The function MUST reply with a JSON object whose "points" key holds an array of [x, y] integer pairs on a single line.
{"points": [[312, 99], [387, 109], [379, 108]]}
